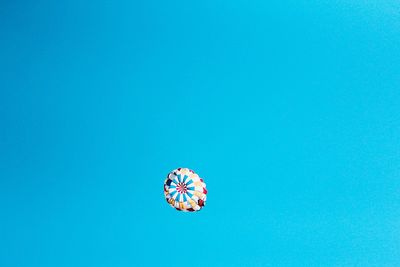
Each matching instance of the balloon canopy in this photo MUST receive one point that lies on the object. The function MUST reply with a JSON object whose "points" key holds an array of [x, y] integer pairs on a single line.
{"points": [[184, 190]]}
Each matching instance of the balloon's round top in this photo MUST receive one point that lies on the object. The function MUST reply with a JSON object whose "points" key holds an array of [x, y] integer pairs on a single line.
{"points": [[184, 190]]}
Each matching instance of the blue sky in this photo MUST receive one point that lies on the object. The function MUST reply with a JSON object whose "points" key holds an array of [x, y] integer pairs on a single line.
{"points": [[289, 110]]}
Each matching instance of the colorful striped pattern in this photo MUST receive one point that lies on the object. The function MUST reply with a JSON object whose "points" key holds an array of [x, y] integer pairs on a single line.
{"points": [[185, 190]]}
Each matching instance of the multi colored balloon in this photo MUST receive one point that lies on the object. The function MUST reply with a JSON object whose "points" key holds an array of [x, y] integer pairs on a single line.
{"points": [[185, 190]]}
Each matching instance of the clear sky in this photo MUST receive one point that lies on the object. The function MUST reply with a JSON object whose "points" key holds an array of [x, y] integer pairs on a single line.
{"points": [[289, 110]]}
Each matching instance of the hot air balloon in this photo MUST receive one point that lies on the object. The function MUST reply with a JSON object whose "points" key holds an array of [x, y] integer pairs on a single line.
{"points": [[184, 190]]}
